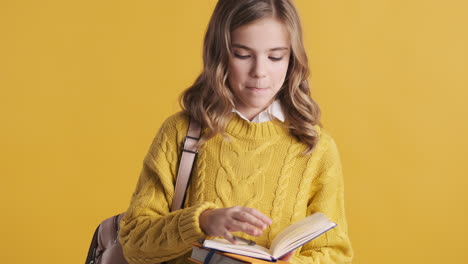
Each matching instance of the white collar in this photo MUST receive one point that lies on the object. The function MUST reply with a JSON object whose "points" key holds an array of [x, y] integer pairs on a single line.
{"points": [[274, 110]]}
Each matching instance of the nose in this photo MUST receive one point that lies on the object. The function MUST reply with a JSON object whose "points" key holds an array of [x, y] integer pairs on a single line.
{"points": [[258, 68]]}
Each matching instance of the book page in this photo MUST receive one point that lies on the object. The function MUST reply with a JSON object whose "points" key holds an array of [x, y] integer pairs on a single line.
{"points": [[301, 241], [300, 233], [246, 250]]}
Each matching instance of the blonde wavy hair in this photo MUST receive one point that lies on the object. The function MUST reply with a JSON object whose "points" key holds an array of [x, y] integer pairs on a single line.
{"points": [[210, 101]]}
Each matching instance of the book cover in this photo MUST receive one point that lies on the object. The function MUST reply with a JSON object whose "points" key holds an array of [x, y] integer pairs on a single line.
{"points": [[199, 254]]}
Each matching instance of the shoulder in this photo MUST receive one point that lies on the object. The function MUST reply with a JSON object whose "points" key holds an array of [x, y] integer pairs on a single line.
{"points": [[175, 126], [175, 121], [326, 147], [325, 136], [172, 130]]}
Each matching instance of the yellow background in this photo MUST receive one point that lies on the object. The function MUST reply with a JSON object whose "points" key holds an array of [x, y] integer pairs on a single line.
{"points": [[86, 84]]}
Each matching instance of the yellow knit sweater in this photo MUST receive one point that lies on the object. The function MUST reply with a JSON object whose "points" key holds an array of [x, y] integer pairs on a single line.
{"points": [[259, 166]]}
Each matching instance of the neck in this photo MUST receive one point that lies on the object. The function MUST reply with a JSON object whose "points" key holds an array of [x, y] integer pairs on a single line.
{"points": [[240, 128], [250, 113]]}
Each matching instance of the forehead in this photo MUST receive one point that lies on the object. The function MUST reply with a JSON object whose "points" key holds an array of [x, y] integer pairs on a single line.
{"points": [[263, 34]]}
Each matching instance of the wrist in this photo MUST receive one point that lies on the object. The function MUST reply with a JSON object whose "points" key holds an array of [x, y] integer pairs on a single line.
{"points": [[203, 220]]}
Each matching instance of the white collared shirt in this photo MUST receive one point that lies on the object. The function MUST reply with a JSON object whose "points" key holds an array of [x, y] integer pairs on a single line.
{"points": [[274, 110]]}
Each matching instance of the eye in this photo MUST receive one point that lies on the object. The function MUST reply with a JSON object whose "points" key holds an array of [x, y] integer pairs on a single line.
{"points": [[241, 56], [275, 58]]}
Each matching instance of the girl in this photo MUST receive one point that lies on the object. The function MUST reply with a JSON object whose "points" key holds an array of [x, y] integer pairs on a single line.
{"points": [[264, 161]]}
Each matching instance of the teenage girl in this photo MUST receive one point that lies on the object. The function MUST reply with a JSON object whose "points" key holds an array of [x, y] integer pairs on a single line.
{"points": [[265, 161]]}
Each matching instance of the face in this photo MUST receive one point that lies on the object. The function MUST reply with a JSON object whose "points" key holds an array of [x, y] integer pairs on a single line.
{"points": [[258, 64]]}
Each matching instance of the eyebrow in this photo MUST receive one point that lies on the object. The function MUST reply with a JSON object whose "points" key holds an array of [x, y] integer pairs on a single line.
{"points": [[247, 48]]}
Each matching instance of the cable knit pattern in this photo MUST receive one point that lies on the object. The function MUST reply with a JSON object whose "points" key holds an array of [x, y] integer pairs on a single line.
{"points": [[198, 180], [258, 165], [305, 191], [238, 185], [282, 189]]}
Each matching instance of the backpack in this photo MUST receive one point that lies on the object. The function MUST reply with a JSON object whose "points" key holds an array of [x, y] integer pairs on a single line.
{"points": [[105, 247]]}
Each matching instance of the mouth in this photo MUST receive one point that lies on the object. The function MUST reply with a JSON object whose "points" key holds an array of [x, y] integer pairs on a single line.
{"points": [[257, 88]]}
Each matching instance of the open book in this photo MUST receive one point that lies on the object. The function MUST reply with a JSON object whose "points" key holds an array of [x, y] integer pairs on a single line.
{"points": [[287, 240]]}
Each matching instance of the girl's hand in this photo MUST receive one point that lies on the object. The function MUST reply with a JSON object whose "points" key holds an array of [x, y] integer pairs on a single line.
{"points": [[221, 222], [288, 256]]}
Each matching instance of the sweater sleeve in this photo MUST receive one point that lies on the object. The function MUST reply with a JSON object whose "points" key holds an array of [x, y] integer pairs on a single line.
{"points": [[149, 232], [328, 197]]}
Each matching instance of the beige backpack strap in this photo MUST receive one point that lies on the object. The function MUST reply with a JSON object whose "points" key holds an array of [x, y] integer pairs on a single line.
{"points": [[189, 153]]}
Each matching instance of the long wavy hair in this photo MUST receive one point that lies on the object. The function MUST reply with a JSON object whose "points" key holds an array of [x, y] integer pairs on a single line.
{"points": [[210, 101]]}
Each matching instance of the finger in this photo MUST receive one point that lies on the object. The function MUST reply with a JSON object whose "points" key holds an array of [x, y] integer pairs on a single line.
{"points": [[287, 257], [253, 217], [234, 226], [259, 215], [245, 217], [229, 237]]}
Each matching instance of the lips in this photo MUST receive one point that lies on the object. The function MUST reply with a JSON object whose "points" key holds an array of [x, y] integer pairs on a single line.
{"points": [[257, 88]]}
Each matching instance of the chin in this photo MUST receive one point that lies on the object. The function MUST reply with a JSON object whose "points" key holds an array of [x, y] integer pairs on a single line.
{"points": [[260, 105]]}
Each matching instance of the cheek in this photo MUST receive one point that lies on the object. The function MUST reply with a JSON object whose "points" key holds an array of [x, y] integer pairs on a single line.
{"points": [[236, 73], [279, 73]]}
